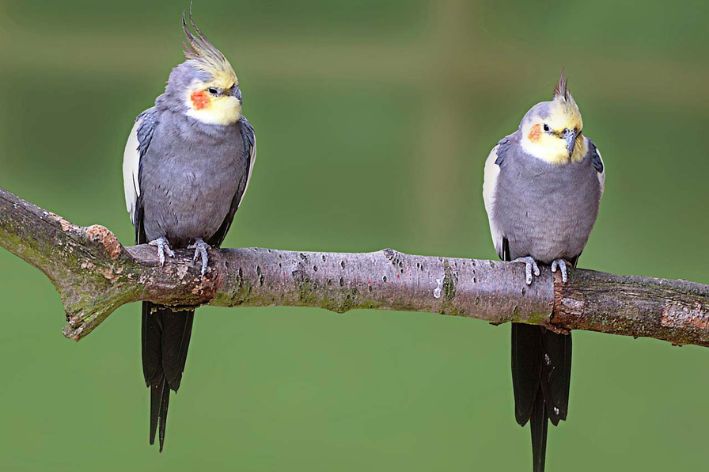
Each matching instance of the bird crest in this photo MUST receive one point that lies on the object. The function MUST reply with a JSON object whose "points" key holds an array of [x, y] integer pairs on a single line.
{"points": [[561, 90], [204, 55], [563, 103]]}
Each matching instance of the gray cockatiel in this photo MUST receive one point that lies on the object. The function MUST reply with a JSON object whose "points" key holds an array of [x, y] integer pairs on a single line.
{"points": [[186, 167], [543, 185]]}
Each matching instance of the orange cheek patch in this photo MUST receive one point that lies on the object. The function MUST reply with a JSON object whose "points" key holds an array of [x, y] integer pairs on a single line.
{"points": [[535, 132], [200, 100]]}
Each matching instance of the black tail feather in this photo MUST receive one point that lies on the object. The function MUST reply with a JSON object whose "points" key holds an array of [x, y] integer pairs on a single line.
{"points": [[151, 335], [166, 334], [156, 397], [556, 374], [538, 424], [541, 376], [526, 368], [164, 404]]}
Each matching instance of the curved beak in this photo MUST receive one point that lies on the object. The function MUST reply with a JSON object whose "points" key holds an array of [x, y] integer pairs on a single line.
{"points": [[570, 136]]}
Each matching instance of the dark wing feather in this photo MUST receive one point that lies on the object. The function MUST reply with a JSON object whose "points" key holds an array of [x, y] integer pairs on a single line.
{"points": [[596, 160], [503, 146]]}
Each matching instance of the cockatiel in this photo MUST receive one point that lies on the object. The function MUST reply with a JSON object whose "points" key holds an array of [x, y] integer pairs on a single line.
{"points": [[542, 189], [186, 167]]}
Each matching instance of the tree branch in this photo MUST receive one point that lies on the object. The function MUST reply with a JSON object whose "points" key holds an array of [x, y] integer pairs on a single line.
{"points": [[94, 274]]}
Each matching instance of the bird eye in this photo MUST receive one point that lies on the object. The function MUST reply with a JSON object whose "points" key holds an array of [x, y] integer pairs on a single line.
{"points": [[546, 127], [213, 91]]}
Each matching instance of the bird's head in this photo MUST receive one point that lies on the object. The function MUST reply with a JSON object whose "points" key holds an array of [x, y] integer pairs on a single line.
{"points": [[551, 131], [205, 84]]}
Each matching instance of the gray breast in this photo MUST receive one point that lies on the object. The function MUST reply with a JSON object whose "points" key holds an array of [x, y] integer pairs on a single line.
{"points": [[545, 211], [188, 178]]}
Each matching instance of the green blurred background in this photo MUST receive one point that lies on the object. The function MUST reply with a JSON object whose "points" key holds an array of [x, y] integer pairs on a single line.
{"points": [[373, 119]]}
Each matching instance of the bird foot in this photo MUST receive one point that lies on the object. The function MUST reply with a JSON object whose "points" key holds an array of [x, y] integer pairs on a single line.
{"points": [[530, 267], [200, 251], [560, 264], [163, 248]]}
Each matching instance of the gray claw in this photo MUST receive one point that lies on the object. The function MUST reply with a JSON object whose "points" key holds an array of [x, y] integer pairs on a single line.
{"points": [[200, 251], [530, 266], [163, 248], [561, 264]]}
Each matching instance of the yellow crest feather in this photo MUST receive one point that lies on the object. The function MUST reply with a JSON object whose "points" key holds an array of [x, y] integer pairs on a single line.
{"points": [[564, 105], [204, 55]]}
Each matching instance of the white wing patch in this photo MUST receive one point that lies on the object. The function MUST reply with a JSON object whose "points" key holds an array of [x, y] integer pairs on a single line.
{"points": [[492, 171], [252, 161], [131, 167], [601, 175]]}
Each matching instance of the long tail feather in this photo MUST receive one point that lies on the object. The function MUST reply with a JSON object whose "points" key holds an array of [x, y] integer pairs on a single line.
{"points": [[156, 395], [538, 424], [166, 334], [164, 404], [541, 376]]}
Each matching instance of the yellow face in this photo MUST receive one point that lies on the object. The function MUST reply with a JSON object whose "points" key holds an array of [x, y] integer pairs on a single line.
{"points": [[557, 138], [215, 102]]}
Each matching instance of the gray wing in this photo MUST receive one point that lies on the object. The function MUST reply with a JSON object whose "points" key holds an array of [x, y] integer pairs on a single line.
{"points": [[136, 147], [492, 171], [249, 148]]}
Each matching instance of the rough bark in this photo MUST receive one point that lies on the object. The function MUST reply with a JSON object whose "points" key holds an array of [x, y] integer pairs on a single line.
{"points": [[94, 274]]}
